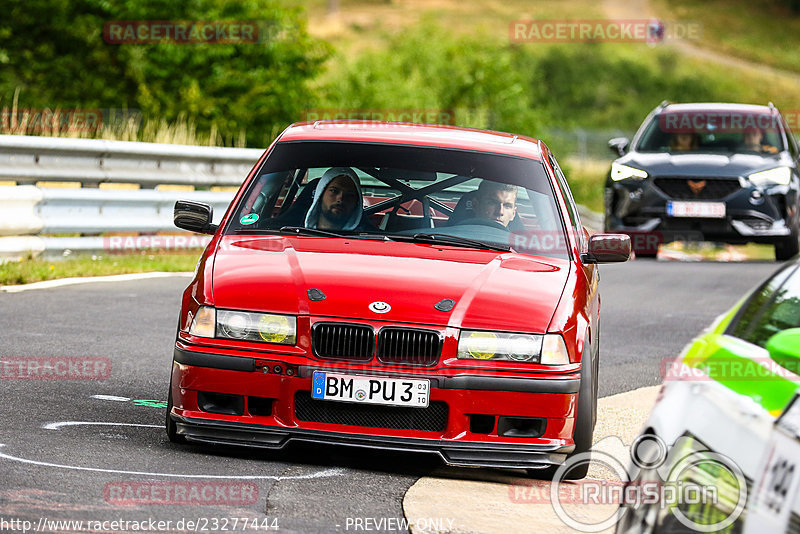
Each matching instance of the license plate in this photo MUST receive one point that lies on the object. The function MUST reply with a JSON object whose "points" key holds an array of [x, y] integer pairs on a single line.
{"points": [[711, 210], [371, 389]]}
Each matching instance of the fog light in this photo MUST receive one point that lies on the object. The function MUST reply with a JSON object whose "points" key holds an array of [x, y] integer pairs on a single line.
{"points": [[756, 197]]}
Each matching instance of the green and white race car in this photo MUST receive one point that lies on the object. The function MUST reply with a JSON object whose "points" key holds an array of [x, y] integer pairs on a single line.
{"points": [[720, 451]]}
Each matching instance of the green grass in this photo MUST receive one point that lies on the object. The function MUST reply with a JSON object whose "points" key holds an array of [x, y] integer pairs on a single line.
{"points": [[714, 252], [764, 31], [36, 270]]}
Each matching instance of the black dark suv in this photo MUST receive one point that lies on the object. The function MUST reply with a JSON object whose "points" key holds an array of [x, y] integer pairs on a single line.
{"points": [[708, 172]]}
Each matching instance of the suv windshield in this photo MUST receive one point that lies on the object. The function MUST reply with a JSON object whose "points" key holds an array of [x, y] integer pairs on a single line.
{"points": [[712, 131], [384, 191]]}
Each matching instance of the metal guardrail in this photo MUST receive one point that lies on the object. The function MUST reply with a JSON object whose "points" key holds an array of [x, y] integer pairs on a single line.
{"points": [[30, 159], [29, 210]]}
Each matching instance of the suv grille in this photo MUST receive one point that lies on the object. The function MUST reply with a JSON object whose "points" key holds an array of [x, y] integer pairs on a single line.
{"points": [[712, 189], [405, 345], [430, 419], [343, 341]]}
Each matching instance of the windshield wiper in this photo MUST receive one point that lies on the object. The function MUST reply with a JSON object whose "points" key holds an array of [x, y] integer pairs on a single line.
{"points": [[458, 241], [301, 230]]}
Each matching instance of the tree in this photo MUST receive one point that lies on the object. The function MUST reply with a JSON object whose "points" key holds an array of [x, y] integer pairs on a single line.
{"points": [[55, 53]]}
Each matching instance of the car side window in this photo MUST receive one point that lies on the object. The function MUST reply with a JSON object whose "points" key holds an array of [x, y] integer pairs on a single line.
{"points": [[571, 206], [774, 307]]}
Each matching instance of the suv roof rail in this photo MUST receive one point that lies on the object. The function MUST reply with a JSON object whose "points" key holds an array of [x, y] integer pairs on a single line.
{"points": [[663, 104], [772, 107]]}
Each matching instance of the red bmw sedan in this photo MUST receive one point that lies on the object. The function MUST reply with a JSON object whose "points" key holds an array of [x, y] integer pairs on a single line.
{"points": [[395, 286]]}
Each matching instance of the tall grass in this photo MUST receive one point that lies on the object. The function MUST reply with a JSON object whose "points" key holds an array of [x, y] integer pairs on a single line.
{"points": [[59, 122]]}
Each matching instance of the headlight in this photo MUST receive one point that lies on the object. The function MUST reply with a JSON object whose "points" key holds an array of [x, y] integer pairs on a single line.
{"points": [[262, 327], [621, 172], [777, 176], [498, 346], [244, 326]]}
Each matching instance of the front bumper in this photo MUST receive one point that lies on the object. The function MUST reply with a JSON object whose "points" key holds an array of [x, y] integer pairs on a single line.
{"points": [[640, 209], [458, 442], [465, 454]]}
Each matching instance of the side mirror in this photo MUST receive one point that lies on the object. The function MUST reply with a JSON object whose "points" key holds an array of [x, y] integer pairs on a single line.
{"points": [[618, 145], [608, 248], [784, 349], [194, 216]]}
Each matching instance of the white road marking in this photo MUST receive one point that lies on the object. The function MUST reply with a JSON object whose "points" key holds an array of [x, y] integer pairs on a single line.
{"points": [[319, 474], [110, 398], [88, 279], [56, 426]]}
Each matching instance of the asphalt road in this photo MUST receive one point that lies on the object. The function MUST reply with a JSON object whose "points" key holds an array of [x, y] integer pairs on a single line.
{"points": [[85, 472]]}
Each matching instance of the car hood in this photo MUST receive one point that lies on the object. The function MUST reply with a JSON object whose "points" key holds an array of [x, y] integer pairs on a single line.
{"points": [[703, 164], [491, 290]]}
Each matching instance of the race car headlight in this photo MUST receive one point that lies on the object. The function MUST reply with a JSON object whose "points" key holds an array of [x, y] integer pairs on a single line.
{"points": [[622, 172], [776, 176], [203, 322], [477, 345], [261, 327]]}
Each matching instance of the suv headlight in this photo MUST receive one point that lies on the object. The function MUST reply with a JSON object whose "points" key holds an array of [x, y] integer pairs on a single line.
{"points": [[776, 176], [244, 326], [622, 172], [500, 346]]}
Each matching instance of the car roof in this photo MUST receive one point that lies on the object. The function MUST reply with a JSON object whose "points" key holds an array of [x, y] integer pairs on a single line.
{"points": [[432, 135], [716, 106]]}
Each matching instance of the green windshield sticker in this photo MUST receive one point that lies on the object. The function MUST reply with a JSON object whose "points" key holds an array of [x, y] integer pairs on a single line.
{"points": [[250, 218]]}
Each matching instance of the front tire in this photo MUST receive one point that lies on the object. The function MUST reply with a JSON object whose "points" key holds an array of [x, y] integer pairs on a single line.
{"points": [[788, 248]]}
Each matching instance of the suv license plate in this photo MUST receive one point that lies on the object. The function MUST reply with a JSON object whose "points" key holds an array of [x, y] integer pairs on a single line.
{"points": [[710, 210], [371, 389]]}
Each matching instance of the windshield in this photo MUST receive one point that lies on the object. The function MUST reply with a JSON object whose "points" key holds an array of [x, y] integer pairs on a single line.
{"points": [[711, 131], [380, 191]]}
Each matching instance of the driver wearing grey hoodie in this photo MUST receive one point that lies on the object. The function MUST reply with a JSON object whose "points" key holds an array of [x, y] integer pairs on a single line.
{"points": [[337, 203]]}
